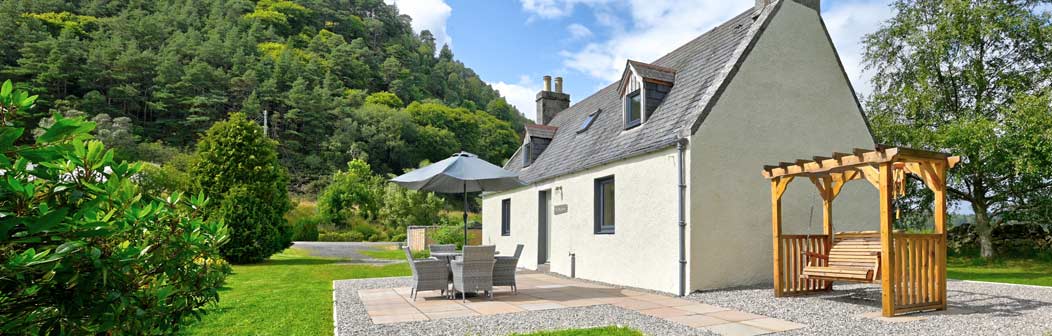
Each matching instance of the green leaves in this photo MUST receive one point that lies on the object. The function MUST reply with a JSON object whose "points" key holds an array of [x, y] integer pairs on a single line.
{"points": [[85, 251], [970, 78], [65, 128]]}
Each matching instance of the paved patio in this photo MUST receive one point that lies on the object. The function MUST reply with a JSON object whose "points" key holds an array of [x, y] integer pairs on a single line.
{"points": [[545, 292]]}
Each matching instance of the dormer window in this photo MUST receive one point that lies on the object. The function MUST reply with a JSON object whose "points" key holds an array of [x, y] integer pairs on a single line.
{"points": [[643, 88], [633, 109], [536, 140]]}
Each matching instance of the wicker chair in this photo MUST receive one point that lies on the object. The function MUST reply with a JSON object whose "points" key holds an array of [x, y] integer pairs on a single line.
{"points": [[428, 274], [473, 272], [504, 270]]}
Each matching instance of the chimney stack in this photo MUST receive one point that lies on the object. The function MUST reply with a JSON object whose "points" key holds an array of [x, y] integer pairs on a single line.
{"points": [[550, 103]]}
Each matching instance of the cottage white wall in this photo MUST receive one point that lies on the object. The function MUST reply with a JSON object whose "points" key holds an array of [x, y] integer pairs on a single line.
{"points": [[789, 100], [643, 251]]}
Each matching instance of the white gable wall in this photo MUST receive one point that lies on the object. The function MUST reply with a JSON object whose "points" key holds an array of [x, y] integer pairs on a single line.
{"points": [[643, 251], [789, 100]]}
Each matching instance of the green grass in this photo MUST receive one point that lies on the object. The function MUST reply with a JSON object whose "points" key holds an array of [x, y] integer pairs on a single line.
{"points": [[289, 294], [602, 331], [393, 254], [1017, 271]]}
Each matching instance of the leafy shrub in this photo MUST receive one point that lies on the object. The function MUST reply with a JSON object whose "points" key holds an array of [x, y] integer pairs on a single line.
{"points": [[353, 193], [305, 221], [237, 165], [450, 234], [85, 251], [341, 236], [306, 228], [169, 177], [403, 208]]}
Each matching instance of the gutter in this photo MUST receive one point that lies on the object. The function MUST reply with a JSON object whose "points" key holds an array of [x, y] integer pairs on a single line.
{"points": [[681, 146]]}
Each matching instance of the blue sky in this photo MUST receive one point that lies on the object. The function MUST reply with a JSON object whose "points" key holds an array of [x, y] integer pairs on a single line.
{"points": [[511, 44]]}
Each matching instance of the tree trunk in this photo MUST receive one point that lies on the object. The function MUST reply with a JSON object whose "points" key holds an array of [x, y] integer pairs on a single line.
{"points": [[984, 229]]}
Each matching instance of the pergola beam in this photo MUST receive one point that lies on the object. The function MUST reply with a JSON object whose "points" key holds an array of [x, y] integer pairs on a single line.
{"points": [[840, 162]]}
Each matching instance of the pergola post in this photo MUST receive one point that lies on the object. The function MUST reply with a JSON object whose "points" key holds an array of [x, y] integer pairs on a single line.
{"points": [[827, 217], [778, 186], [885, 183], [940, 228]]}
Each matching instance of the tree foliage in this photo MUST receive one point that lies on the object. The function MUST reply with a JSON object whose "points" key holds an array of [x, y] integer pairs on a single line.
{"points": [[238, 168], [355, 192], [971, 78], [85, 251], [175, 67]]}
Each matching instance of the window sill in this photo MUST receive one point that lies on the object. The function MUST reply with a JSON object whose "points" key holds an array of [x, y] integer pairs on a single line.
{"points": [[605, 232]]}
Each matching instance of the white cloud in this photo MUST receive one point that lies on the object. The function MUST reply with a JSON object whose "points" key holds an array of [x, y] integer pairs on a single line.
{"points": [[648, 29], [648, 33], [427, 14], [522, 94], [549, 9], [578, 31], [847, 24]]}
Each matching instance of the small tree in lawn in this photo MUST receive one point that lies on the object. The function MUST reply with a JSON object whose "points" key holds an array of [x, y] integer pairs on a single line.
{"points": [[971, 78], [355, 192], [237, 166]]}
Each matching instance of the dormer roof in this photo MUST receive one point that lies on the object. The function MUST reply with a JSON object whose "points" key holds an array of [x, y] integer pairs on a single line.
{"points": [[648, 72]]}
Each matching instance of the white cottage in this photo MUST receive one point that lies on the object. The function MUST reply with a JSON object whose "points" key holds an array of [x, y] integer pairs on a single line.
{"points": [[654, 181]]}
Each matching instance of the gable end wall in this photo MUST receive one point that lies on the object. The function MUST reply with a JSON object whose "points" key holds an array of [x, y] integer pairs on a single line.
{"points": [[788, 100]]}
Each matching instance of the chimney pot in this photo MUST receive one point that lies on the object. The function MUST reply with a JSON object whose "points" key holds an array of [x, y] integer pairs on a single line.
{"points": [[550, 103]]}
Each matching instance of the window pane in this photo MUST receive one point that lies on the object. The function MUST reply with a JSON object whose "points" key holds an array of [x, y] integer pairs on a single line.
{"points": [[634, 107], [608, 203], [505, 217]]}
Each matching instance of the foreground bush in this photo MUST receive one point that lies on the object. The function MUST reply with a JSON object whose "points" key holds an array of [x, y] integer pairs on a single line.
{"points": [[84, 250], [237, 166]]}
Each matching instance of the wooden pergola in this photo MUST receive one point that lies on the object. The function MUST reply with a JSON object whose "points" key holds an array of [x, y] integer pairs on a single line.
{"points": [[911, 267]]}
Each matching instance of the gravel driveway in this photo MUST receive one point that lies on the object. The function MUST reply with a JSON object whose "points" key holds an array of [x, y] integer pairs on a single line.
{"points": [[975, 309], [345, 250]]}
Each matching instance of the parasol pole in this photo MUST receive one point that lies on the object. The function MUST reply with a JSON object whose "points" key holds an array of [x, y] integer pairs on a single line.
{"points": [[465, 214]]}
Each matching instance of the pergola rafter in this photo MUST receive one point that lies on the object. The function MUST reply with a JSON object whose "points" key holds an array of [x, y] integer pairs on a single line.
{"points": [[910, 267]]}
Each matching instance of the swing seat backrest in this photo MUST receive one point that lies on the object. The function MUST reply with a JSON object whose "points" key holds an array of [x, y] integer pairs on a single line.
{"points": [[854, 257]]}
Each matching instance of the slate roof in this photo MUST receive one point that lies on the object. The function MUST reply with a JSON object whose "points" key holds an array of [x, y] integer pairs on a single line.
{"points": [[700, 66]]}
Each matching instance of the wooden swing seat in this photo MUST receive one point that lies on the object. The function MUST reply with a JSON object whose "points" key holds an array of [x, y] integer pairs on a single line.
{"points": [[854, 257]]}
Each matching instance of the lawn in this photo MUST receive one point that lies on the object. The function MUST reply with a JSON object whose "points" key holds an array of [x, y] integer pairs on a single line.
{"points": [[603, 331], [290, 294], [1018, 271], [393, 253]]}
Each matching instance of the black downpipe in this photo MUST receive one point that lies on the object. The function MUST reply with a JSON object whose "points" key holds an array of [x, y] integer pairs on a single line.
{"points": [[681, 145]]}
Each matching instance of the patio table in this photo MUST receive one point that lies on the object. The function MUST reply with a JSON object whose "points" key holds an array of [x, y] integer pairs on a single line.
{"points": [[448, 258]]}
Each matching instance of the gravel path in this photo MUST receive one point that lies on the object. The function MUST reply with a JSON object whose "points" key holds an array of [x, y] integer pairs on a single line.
{"points": [[976, 309], [351, 318], [345, 250]]}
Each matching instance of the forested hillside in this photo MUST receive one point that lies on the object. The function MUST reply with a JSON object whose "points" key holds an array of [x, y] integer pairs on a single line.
{"points": [[156, 74]]}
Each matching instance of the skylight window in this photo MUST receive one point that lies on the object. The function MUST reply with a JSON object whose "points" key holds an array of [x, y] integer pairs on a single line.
{"points": [[588, 120]]}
